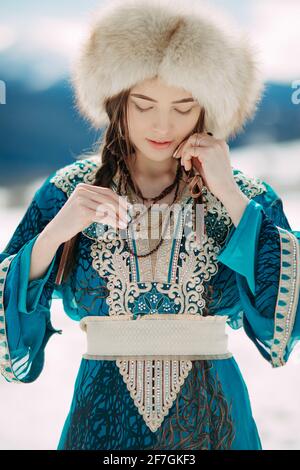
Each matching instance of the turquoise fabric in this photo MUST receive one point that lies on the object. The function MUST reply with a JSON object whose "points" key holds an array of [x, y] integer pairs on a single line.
{"points": [[242, 254], [213, 409], [239, 252], [30, 292]]}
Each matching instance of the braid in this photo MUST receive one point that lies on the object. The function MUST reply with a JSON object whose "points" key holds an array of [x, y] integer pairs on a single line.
{"points": [[114, 150]]}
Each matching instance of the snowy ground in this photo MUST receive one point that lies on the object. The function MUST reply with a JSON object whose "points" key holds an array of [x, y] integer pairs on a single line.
{"points": [[32, 415]]}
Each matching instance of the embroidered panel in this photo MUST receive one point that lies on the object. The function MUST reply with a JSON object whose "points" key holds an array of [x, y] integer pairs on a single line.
{"points": [[174, 286], [288, 295], [6, 363]]}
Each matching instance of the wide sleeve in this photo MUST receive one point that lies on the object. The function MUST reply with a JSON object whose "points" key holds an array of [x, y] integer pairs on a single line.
{"points": [[25, 323], [261, 277]]}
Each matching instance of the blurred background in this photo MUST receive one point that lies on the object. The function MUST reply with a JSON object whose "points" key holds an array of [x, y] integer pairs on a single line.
{"points": [[40, 131]]}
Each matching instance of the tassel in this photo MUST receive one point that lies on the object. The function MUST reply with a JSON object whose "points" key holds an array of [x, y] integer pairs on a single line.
{"points": [[198, 225], [195, 183]]}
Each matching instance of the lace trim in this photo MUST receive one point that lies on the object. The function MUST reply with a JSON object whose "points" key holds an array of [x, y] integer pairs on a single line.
{"points": [[6, 367], [140, 376], [69, 176], [288, 294], [128, 284]]}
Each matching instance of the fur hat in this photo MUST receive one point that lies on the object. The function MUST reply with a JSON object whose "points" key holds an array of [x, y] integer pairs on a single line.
{"points": [[133, 40]]}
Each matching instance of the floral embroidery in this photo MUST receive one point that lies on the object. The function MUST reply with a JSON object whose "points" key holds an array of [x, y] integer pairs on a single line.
{"points": [[177, 285], [81, 171]]}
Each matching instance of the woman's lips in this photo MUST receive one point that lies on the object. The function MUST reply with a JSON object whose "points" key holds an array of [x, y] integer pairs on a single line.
{"points": [[160, 144]]}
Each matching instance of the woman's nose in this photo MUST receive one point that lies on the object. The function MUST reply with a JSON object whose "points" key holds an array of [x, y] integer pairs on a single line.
{"points": [[162, 125]]}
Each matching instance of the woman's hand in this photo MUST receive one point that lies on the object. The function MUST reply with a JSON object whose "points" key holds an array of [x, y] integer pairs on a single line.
{"points": [[87, 204], [215, 170], [213, 155]]}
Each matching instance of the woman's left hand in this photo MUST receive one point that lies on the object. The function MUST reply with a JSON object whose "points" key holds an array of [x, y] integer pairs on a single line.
{"points": [[215, 168]]}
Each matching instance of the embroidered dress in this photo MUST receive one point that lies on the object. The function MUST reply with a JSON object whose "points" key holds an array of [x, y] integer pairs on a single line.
{"points": [[248, 274]]}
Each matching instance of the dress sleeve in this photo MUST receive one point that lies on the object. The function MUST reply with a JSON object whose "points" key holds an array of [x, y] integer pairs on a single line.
{"points": [[25, 323], [261, 256]]}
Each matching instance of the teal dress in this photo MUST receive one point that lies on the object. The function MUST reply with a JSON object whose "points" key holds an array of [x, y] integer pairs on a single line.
{"points": [[250, 273]]}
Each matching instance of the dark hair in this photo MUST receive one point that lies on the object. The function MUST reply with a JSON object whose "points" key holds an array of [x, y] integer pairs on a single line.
{"points": [[114, 150]]}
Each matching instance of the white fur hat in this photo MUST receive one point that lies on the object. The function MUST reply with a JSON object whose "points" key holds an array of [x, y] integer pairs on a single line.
{"points": [[133, 40]]}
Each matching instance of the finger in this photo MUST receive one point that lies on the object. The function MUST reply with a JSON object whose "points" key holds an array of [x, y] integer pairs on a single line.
{"points": [[205, 137], [177, 152], [198, 151], [109, 219], [102, 204], [105, 219], [190, 153], [186, 160], [201, 139], [194, 140], [179, 149], [108, 192], [103, 209], [104, 197]]}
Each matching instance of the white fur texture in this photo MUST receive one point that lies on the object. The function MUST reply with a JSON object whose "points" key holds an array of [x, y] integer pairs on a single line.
{"points": [[133, 40]]}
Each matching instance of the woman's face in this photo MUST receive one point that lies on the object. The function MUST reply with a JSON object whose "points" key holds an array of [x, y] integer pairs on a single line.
{"points": [[159, 118]]}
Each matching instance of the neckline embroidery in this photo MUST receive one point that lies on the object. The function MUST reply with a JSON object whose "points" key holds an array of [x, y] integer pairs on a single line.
{"points": [[133, 292]]}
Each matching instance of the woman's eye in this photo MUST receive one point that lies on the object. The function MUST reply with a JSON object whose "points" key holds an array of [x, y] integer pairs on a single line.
{"points": [[141, 109], [184, 112], [146, 109]]}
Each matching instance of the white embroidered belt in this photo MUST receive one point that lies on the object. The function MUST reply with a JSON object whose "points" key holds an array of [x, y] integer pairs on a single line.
{"points": [[171, 336]]}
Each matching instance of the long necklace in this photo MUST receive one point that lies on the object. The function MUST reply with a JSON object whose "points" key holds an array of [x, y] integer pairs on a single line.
{"points": [[155, 199]]}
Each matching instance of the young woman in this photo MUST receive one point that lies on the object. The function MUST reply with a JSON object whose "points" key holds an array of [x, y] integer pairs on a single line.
{"points": [[157, 373]]}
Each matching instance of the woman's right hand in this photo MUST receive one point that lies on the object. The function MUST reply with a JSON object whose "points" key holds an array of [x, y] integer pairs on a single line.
{"points": [[88, 204]]}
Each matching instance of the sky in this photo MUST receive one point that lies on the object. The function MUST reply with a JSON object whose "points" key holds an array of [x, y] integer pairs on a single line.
{"points": [[38, 40]]}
